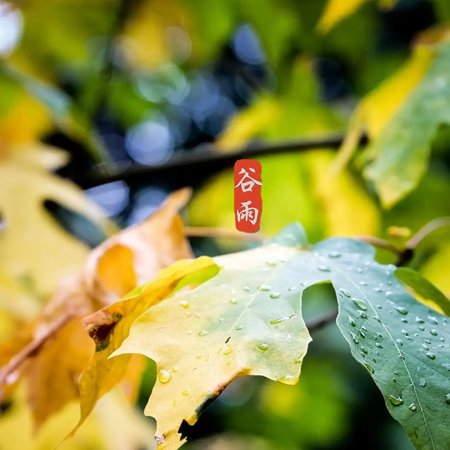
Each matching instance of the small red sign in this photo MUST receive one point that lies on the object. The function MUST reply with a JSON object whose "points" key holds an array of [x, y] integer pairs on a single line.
{"points": [[247, 195]]}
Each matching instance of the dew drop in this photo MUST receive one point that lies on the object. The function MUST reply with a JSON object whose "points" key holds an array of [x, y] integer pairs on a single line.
{"points": [[228, 351], [263, 347], [271, 262], [402, 310], [388, 293], [275, 295], [292, 288], [233, 292], [396, 401], [362, 314], [324, 268], [184, 304], [447, 399], [427, 341], [434, 332], [419, 320], [378, 345], [247, 288], [431, 355], [355, 338], [299, 359], [364, 350], [412, 407], [187, 392], [203, 333], [421, 328], [334, 254], [164, 376], [399, 342], [345, 292], [360, 303], [239, 328], [275, 321], [288, 378], [433, 319], [351, 321], [264, 287], [370, 368], [175, 369], [233, 301], [423, 382]]}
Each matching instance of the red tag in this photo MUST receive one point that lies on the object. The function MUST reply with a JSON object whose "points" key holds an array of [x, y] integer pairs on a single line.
{"points": [[247, 195]]}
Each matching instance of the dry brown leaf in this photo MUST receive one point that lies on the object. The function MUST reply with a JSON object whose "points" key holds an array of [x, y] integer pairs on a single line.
{"points": [[56, 348]]}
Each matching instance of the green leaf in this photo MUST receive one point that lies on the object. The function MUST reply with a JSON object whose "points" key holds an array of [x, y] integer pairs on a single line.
{"points": [[423, 287], [402, 343], [401, 152]]}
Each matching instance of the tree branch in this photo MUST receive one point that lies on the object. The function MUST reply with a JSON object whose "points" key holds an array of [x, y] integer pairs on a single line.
{"points": [[321, 322], [222, 233], [186, 166]]}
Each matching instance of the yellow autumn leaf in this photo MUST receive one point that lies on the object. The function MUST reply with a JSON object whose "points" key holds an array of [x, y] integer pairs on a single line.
{"points": [[114, 425], [227, 329], [111, 325], [337, 10], [131, 257]]}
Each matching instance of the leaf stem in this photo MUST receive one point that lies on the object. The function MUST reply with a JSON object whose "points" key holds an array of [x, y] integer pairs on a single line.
{"points": [[32, 348]]}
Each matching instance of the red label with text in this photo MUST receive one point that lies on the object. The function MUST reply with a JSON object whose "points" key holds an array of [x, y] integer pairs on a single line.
{"points": [[247, 195]]}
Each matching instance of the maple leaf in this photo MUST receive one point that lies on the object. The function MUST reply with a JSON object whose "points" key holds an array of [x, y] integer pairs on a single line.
{"points": [[127, 259], [247, 320]]}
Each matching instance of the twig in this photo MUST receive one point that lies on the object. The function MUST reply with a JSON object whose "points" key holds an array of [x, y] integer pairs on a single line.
{"points": [[185, 167], [426, 230], [380, 243], [321, 322], [222, 233], [32, 348]]}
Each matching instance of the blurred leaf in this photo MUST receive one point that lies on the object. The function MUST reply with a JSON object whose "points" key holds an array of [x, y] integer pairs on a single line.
{"points": [[25, 184], [117, 266], [60, 110], [424, 288], [115, 425], [337, 10], [402, 118], [111, 325], [323, 202]]}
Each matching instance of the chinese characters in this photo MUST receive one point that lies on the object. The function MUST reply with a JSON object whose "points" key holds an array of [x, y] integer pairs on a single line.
{"points": [[247, 195]]}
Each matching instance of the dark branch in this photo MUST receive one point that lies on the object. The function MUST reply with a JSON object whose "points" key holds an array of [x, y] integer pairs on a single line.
{"points": [[322, 322], [184, 168]]}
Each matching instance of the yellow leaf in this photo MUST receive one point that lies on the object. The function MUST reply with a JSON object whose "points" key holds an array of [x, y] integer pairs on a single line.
{"points": [[249, 123], [337, 10], [115, 425], [226, 333], [134, 255], [31, 234], [110, 326]]}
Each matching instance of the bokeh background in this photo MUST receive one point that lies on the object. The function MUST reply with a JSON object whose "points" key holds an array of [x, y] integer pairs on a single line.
{"points": [[132, 90]]}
